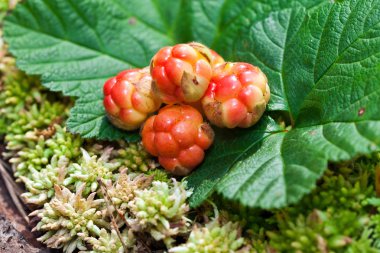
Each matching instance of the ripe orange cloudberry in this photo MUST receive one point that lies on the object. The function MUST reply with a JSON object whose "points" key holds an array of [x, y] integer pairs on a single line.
{"points": [[178, 136]]}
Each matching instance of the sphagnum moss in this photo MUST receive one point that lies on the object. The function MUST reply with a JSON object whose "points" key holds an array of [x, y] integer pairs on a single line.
{"points": [[124, 189], [109, 242], [40, 184], [89, 170], [133, 156], [38, 156], [214, 237], [161, 210], [69, 218]]}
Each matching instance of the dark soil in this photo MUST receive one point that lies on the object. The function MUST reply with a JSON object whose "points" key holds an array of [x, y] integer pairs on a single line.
{"points": [[15, 233]]}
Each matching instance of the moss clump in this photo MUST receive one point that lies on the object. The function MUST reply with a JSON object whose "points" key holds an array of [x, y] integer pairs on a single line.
{"points": [[161, 211], [38, 155], [124, 189], [40, 184], [321, 232], [109, 242], [214, 237], [89, 170], [133, 156], [69, 218]]}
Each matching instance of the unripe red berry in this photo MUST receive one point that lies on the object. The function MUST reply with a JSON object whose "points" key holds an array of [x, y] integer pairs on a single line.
{"points": [[178, 136], [237, 95], [182, 73], [129, 98]]}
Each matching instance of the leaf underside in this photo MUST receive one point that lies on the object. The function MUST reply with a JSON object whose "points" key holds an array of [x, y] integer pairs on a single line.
{"points": [[322, 60]]}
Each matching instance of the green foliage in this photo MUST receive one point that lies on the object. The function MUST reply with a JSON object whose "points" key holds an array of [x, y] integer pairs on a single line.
{"points": [[38, 156], [330, 121], [322, 232], [161, 210], [89, 170], [321, 59], [214, 237], [95, 55]]}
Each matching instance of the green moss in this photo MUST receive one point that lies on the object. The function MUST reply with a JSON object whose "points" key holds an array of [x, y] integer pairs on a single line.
{"points": [[89, 170], [38, 156], [159, 175], [133, 156], [214, 237], [321, 232], [161, 211], [40, 184], [69, 218]]}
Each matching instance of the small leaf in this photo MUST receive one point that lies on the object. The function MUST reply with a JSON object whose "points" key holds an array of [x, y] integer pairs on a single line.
{"points": [[88, 119]]}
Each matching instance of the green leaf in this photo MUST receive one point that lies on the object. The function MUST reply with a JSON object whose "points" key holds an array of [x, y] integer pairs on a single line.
{"points": [[229, 147], [326, 67], [77, 45], [286, 166], [220, 23], [88, 118]]}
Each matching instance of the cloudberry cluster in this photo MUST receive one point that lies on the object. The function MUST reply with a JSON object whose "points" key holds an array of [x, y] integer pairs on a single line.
{"points": [[192, 80]]}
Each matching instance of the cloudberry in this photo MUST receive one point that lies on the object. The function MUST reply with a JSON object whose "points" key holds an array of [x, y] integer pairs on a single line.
{"points": [[129, 98], [216, 59], [182, 73], [178, 136], [237, 95]]}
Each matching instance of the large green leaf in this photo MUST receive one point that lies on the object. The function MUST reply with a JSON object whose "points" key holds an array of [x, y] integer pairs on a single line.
{"points": [[325, 64], [77, 45]]}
